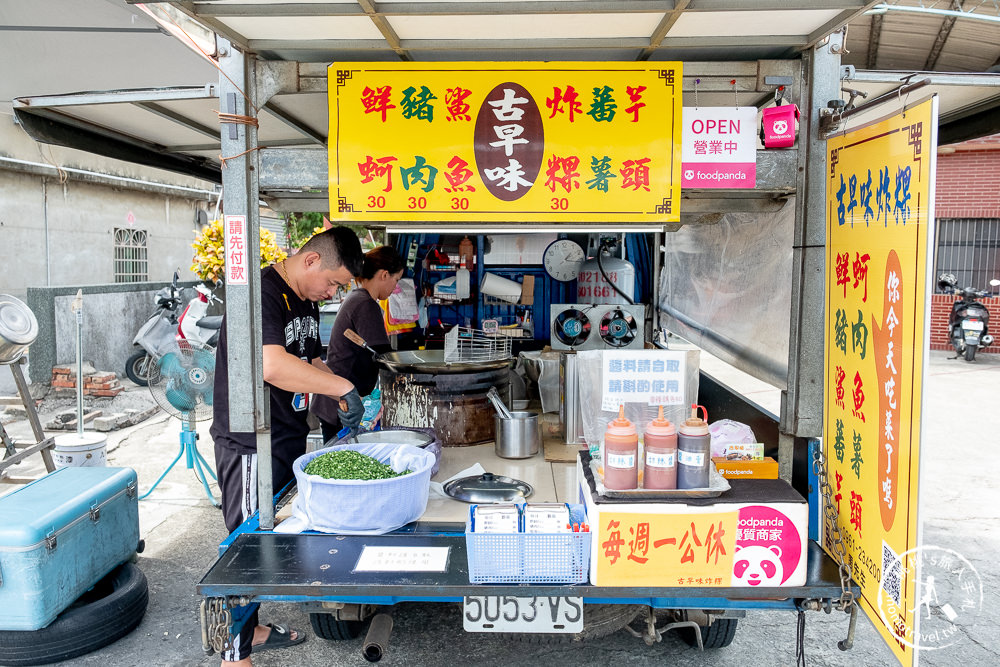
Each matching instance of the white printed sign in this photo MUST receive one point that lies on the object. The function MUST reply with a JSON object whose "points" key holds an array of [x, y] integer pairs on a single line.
{"points": [[719, 147], [654, 377], [236, 249], [403, 559]]}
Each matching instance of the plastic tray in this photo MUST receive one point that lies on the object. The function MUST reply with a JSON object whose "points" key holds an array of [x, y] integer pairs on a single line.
{"points": [[529, 558], [717, 486]]}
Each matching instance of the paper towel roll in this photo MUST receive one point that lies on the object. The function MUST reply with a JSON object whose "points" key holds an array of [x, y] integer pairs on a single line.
{"points": [[501, 288]]}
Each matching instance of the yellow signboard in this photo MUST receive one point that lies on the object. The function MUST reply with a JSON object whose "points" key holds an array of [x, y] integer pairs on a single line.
{"points": [[666, 549], [505, 142], [880, 195]]}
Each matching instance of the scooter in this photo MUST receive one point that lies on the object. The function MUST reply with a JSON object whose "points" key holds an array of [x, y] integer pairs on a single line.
{"points": [[968, 322], [158, 332], [194, 324]]}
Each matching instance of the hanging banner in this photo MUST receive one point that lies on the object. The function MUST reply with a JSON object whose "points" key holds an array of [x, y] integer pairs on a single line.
{"points": [[880, 214], [505, 142], [719, 147]]}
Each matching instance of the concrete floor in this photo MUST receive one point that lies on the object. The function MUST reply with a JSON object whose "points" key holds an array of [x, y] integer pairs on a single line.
{"points": [[182, 530]]}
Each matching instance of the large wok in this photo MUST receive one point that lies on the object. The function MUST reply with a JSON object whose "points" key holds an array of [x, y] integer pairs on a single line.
{"points": [[432, 361]]}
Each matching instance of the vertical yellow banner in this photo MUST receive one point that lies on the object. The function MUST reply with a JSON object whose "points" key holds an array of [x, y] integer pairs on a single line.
{"points": [[880, 195]]}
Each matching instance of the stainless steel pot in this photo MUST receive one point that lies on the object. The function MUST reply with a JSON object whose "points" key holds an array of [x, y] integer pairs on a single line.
{"points": [[18, 328], [518, 437]]}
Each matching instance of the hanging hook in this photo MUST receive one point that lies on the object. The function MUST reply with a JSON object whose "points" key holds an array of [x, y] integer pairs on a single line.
{"points": [[696, 82], [779, 94], [736, 96]]}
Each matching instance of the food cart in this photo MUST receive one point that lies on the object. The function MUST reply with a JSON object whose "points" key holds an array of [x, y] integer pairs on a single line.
{"points": [[794, 203], [344, 580]]}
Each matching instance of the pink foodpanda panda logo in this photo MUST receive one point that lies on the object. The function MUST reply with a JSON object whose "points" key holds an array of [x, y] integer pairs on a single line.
{"points": [[767, 549]]}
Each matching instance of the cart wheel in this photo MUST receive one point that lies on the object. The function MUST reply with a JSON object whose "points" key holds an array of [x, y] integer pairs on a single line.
{"points": [[332, 629], [717, 635], [102, 615], [599, 620]]}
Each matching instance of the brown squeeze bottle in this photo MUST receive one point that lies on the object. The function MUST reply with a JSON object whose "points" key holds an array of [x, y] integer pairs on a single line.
{"points": [[694, 447], [660, 444], [621, 453]]}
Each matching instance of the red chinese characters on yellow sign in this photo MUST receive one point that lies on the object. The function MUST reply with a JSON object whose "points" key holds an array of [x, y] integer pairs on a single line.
{"points": [[505, 142], [666, 549]]}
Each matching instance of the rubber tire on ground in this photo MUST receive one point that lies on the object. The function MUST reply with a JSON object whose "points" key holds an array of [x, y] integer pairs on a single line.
{"points": [[326, 626], [106, 613], [599, 620], [970, 352], [132, 366], [719, 634]]}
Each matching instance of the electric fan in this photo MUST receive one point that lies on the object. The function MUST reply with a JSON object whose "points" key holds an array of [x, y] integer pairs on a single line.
{"points": [[181, 383]]}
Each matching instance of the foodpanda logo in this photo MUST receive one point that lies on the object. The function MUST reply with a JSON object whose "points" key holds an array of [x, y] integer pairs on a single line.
{"points": [[780, 126], [689, 174]]}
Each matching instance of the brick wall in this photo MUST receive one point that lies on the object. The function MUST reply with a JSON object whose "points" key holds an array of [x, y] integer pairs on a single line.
{"points": [[941, 307], [967, 185]]}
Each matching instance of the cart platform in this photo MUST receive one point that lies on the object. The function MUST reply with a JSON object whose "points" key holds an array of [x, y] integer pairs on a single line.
{"points": [[319, 567]]}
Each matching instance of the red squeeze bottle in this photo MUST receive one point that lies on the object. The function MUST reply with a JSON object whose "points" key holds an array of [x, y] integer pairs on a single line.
{"points": [[660, 440], [621, 453]]}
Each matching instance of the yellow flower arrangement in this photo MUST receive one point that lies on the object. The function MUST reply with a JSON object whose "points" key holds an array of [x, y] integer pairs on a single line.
{"points": [[209, 251]]}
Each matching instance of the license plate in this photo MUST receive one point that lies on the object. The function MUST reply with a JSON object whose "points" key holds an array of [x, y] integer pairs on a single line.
{"points": [[972, 325], [507, 613]]}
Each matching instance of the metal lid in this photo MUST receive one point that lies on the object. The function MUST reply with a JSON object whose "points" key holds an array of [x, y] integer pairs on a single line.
{"points": [[488, 488], [17, 323]]}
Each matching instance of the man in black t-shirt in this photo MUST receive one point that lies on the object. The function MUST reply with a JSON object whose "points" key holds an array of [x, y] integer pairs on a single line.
{"points": [[293, 369]]}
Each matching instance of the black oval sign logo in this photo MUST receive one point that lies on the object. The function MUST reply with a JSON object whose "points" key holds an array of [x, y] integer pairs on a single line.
{"points": [[509, 141]]}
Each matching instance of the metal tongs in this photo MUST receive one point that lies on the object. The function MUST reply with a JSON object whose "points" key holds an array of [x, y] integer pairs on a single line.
{"points": [[498, 403]]}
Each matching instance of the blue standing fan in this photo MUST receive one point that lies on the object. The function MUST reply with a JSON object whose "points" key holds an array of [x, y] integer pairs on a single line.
{"points": [[181, 383]]}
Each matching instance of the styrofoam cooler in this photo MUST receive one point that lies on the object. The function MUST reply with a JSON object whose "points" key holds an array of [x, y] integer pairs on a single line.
{"points": [[59, 536]]}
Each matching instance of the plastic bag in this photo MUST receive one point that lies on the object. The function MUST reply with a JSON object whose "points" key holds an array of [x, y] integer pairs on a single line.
{"points": [[403, 303], [725, 432], [362, 507]]}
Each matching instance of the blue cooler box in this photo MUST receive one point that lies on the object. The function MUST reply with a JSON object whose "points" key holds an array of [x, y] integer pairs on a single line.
{"points": [[59, 536]]}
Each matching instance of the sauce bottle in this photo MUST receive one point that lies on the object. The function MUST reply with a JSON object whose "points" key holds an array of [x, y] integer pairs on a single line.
{"points": [[660, 444], [621, 451], [694, 446]]}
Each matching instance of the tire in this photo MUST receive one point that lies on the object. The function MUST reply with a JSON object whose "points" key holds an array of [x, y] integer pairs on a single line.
{"points": [[599, 620], [719, 634], [135, 365], [102, 615], [332, 629], [970, 352]]}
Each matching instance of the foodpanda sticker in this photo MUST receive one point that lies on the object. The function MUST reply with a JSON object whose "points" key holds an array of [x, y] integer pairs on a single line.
{"points": [[768, 547]]}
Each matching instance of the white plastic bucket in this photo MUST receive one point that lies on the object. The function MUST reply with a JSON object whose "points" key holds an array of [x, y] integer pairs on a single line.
{"points": [[73, 450]]}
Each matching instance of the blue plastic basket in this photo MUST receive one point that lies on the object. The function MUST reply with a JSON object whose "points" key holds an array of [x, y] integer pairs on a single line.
{"points": [[529, 558]]}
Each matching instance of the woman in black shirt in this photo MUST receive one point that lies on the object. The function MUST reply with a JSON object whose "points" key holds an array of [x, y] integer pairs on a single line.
{"points": [[360, 311]]}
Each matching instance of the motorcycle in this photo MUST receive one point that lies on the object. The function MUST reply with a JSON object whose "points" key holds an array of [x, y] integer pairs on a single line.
{"points": [[158, 332], [968, 322], [194, 324]]}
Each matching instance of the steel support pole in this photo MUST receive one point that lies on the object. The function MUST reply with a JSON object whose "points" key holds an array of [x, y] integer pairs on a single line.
{"points": [[248, 408], [802, 401]]}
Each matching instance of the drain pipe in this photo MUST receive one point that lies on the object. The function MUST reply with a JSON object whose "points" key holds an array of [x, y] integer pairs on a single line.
{"points": [[377, 638]]}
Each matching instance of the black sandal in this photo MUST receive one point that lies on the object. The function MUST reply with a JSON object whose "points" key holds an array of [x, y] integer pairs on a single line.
{"points": [[280, 637]]}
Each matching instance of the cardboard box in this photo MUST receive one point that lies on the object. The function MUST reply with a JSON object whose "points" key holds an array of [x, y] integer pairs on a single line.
{"points": [[766, 468], [753, 536]]}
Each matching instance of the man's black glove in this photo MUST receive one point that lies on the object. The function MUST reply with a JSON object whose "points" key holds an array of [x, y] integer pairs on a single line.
{"points": [[351, 410]]}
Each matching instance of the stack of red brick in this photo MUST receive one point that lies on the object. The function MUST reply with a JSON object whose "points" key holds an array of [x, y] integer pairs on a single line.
{"points": [[101, 384]]}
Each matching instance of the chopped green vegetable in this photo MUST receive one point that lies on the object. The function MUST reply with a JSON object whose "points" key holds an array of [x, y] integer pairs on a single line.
{"points": [[349, 464]]}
